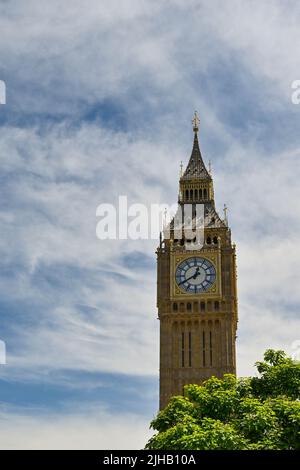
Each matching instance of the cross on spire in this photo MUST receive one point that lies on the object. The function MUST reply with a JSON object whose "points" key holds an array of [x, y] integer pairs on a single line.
{"points": [[196, 122]]}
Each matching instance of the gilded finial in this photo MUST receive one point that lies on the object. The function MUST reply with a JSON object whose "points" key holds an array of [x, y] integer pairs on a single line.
{"points": [[196, 122], [181, 169], [209, 167]]}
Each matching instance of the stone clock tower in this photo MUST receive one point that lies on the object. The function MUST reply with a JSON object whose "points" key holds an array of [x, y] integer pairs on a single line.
{"points": [[196, 286]]}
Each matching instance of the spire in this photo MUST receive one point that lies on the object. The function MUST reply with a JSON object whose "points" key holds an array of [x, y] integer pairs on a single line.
{"points": [[196, 167]]}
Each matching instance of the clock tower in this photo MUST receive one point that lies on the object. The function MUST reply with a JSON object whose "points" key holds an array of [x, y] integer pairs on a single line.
{"points": [[196, 286]]}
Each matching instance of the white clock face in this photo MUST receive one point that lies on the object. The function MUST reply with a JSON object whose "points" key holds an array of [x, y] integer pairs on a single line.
{"points": [[195, 275]]}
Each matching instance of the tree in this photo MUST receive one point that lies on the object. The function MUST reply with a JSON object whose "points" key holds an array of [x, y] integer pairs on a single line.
{"points": [[247, 413]]}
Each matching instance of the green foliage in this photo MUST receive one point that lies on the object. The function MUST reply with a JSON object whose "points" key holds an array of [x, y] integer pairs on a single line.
{"points": [[250, 413], [280, 375]]}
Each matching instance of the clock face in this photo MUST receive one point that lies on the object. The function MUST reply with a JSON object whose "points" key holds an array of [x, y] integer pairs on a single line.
{"points": [[195, 275]]}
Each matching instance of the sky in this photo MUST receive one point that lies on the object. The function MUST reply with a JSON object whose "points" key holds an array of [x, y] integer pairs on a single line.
{"points": [[99, 102]]}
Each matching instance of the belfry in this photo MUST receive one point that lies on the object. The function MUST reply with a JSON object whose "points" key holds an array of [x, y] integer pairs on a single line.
{"points": [[196, 286]]}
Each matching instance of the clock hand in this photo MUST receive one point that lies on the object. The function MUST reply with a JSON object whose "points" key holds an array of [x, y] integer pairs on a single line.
{"points": [[191, 277], [185, 280], [196, 272]]}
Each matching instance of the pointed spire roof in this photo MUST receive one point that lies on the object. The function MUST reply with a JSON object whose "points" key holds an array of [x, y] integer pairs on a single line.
{"points": [[196, 167]]}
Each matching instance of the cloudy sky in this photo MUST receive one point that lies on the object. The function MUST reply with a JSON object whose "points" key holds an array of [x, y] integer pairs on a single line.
{"points": [[100, 97]]}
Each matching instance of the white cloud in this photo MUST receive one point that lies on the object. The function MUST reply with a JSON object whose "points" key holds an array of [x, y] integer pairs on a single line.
{"points": [[86, 430], [79, 56]]}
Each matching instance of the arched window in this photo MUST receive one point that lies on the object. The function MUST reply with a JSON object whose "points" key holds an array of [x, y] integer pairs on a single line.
{"points": [[175, 307], [205, 193], [215, 240], [186, 193], [191, 194], [196, 193], [208, 241], [200, 193], [202, 306], [217, 305], [189, 306]]}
